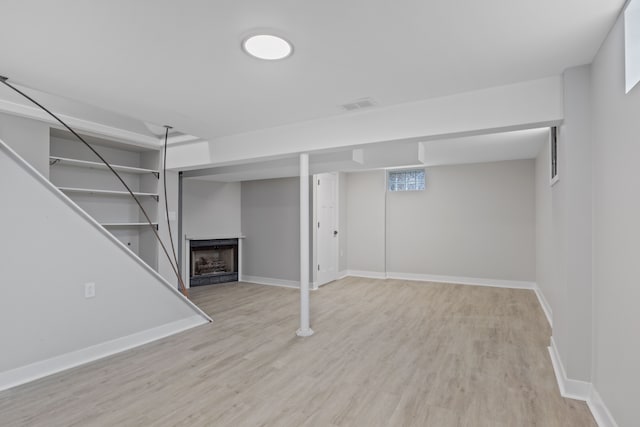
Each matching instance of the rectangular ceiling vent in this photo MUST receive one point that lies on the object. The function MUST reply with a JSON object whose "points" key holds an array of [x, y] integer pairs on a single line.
{"points": [[359, 104]]}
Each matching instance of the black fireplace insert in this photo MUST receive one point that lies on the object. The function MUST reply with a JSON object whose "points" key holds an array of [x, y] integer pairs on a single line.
{"points": [[213, 261]]}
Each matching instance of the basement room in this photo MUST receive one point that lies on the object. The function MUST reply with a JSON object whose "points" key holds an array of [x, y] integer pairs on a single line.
{"points": [[360, 213]]}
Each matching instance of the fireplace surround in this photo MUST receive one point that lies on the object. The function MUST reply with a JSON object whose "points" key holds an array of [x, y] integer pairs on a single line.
{"points": [[213, 261]]}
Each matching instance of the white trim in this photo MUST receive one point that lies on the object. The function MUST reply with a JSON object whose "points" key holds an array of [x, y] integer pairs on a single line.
{"points": [[43, 368], [496, 283], [64, 198], [580, 390], [599, 410], [271, 282], [340, 275], [215, 237], [317, 285], [544, 304], [367, 274], [573, 389], [81, 125]]}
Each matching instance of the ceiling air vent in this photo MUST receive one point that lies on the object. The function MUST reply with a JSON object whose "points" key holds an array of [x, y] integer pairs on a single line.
{"points": [[359, 104]]}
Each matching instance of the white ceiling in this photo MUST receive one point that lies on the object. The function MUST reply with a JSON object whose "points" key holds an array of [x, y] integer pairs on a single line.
{"points": [[180, 62]]}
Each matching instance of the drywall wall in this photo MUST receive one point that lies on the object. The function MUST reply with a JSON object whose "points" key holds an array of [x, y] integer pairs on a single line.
{"points": [[475, 221], [210, 208], [545, 242], [44, 297], [499, 108], [165, 264], [616, 231], [564, 229], [574, 135], [366, 221], [270, 211], [29, 138]]}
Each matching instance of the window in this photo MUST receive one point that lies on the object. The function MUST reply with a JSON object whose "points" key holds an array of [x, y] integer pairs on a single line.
{"points": [[406, 180], [554, 155], [632, 44]]}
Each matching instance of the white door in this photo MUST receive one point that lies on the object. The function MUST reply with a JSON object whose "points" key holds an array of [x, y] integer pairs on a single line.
{"points": [[326, 227]]}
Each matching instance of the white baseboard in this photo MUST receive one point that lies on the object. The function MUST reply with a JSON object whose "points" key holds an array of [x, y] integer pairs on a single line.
{"points": [[271, 282], [37, 370], [546, 308], [573, 389], [580, 390], [496, 283], [341, 275], [599, 410], [315, 285], [367, 274]]}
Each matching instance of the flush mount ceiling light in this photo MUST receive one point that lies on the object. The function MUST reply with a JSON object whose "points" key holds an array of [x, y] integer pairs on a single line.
{"points": [[268, 47]]}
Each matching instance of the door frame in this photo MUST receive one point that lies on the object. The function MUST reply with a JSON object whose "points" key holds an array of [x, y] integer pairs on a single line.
{"points": [[314, 228]]}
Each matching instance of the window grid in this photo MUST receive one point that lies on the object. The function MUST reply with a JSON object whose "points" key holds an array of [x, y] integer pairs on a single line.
{"points": [[406, 180]]}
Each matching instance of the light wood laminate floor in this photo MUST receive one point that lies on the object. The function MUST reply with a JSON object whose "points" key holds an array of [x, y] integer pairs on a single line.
{"points": [[385, 353]]}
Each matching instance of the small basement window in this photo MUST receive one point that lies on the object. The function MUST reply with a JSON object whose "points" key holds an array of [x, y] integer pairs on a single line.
{"points": [[554, 155], [406, 180], [632, 44]]}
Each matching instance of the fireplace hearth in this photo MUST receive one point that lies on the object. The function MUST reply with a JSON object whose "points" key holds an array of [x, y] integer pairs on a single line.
{"points": [[213, 261]]}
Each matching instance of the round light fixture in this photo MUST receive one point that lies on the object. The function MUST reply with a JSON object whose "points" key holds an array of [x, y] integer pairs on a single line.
{"points": [[268, 47]]}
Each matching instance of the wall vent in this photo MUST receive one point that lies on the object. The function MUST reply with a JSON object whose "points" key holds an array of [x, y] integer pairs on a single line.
{"points": [[359, 104]]}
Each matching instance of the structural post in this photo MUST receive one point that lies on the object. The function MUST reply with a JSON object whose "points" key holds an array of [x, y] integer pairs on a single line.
{"points": [[304, 330]]}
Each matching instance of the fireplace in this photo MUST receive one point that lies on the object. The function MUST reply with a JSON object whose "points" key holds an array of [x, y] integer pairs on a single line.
{"points": [[213, 261]]}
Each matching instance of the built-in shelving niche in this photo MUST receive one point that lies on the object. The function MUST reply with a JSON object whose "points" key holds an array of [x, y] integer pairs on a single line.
{"points": [[88, 182]]}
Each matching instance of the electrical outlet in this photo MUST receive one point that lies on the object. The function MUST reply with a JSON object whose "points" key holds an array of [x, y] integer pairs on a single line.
{"points": [[89, 290]]}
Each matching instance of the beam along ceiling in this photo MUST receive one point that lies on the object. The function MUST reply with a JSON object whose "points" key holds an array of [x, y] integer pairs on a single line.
{"points": [[181, 62], [522, 144]]}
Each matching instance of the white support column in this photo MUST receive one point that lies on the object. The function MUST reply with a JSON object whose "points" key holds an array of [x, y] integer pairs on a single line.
{"points": [[305, 330]]}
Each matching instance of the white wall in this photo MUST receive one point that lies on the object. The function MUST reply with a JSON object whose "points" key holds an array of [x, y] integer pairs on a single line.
{"points": [[210, 208], [271, 224], [546, 267], [43, 308], [564, 229], [366, 221], [475, 221], [164, 263], [29, 138], [616, 231], [574, 343]]}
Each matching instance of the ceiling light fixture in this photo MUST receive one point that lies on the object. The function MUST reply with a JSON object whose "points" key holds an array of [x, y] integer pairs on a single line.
{"points": [[267, 46]]}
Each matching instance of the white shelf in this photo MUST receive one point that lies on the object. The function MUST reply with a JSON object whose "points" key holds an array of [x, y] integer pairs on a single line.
{"points": [[220, 236], [86, 181], [54, 160], [128, 224], [105, 192]]}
